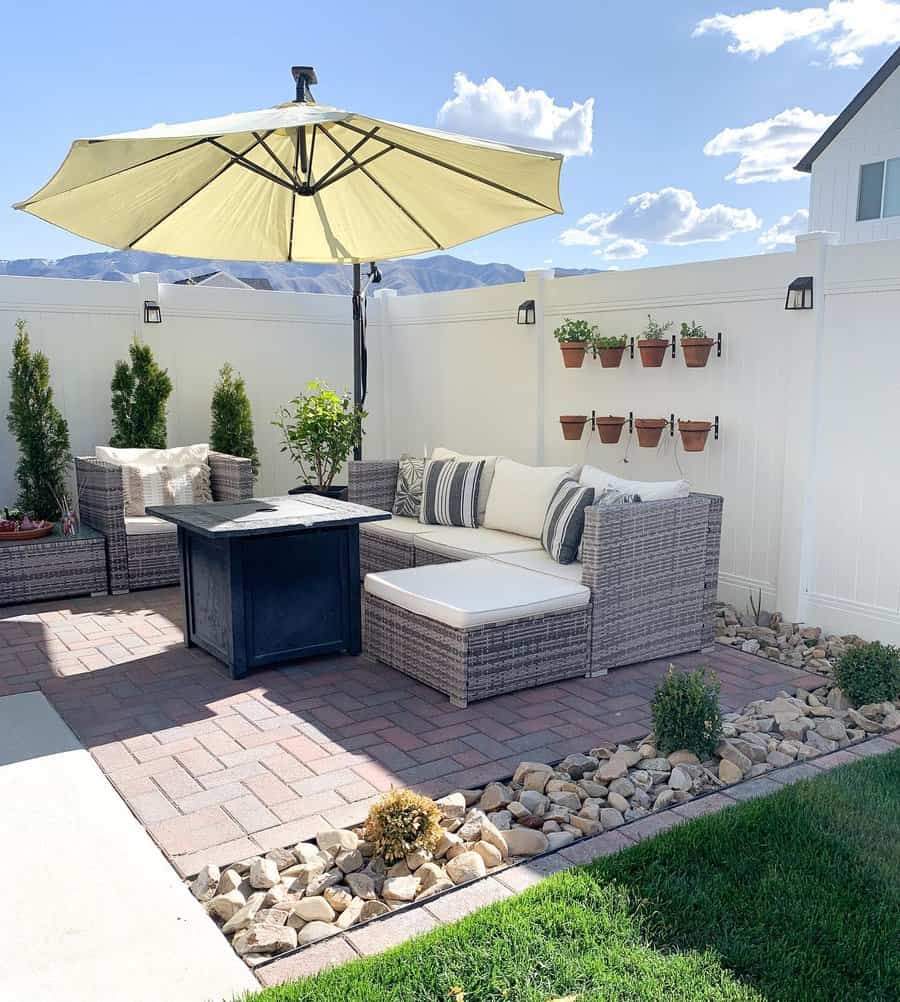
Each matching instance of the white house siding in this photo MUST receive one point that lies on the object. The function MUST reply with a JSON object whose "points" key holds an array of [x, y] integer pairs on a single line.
{"points": [[872, 134]]}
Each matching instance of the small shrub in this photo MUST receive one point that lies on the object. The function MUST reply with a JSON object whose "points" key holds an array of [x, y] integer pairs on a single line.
{"points": [[575, 330], [231, 431], [686, 713], [39, 429], [401, 822], [609, 342], [139, 394], [870, 674], [656, 330]]}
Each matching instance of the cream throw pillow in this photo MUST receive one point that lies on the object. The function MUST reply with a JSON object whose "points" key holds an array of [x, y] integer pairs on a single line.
{"points": [[182, 455], [142, 486], [520, 496], [649, 490], [188, 485]]}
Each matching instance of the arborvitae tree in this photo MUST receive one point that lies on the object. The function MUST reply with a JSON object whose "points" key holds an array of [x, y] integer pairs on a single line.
{"points": [[139, 394], [231, 431], [40, 430]]}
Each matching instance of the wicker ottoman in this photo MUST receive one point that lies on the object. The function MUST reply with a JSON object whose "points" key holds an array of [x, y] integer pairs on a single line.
{"points": [[478, 628], [54, 566]]}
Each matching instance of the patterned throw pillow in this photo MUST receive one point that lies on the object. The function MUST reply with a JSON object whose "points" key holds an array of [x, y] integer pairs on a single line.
{"points": [[450, 492], [564, 521], [613, 496], [408, 496], [188, 485], [142, 486]]}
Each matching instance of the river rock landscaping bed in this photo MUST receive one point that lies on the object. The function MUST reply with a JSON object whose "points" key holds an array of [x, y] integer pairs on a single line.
{"points": [[769, 635]]}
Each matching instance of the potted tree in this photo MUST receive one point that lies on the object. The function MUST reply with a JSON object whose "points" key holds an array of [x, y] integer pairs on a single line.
{"points": [[610, 350], [609, 428], [695, 345], [654, 343], [319, 428], [693, 434], [649, 431], [574, 337], [573, 426]]}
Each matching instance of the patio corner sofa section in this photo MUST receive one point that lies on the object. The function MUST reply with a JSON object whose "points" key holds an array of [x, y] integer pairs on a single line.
{"points": [[651, 568], [142, 552]]}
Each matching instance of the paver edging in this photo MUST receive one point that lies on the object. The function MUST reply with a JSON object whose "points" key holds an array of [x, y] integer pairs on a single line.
{"points": [[891, 737]]}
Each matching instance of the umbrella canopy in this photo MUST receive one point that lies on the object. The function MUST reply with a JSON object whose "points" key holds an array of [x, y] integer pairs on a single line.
{"points": [[299, 182]]}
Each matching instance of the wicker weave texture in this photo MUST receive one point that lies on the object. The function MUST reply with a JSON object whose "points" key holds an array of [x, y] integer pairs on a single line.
{"points": [[425, 557], [468, 665], [373, 483], [230, 477], [379, 552], [52, 568], [101, 505]]}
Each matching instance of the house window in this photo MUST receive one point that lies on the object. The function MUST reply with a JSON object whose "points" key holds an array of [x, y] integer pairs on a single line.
{"points": [[879, 190]]}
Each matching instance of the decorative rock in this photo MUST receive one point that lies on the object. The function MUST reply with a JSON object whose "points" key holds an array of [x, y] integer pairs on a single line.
{"points": [[229, 881], [447, 842], [206, 883], [729, 752], [314, 909], [831, 729], [795, 730], [439, 885], [333, 840], [402, 888], [524, 842], [492, 835], [612, 768], [468, 866], [316, 886], [489, 853], [223, 906], [312, 932], [263, 873], [777, 759], [570, 801], [837, 700], [307, 872], [416, 859], [577, 765], [349, 860], [617, 801], [275, 895], [624, 787], [501, 820], [350, 915], [372, 909], [495, 797], [729, 772], [244, 916], [683, 757], [591, 788], [536, 803], [891, 720], [306, 852], [680, 779], [429, 874], [863, 723], [452, 806], [558, 840], [611, 818], [265, 939], [282, 858], [584, 826], [362, 885]]}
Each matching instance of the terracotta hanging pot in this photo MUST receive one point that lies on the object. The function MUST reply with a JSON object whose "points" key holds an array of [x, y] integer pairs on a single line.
{"points": [[653, 351], [611, 358], [573, 426], [572, 353], [610, 429], [693, 434], [649, 431], [696, 351]]}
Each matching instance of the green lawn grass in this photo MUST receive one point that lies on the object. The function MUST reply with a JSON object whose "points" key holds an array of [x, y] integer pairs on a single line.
{"points": [[793, 897]]}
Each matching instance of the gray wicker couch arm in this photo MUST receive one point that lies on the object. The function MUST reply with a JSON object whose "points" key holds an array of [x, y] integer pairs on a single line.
{"points": [[230, 477], [101, 505], [373, 483], [652, 569]]}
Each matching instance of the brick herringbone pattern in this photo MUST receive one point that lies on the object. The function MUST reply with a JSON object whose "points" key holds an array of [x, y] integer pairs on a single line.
{"points": [[219, 770]]}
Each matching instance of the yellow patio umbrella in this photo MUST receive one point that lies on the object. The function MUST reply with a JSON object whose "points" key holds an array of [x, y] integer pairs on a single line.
{"points": [[298, 182]]}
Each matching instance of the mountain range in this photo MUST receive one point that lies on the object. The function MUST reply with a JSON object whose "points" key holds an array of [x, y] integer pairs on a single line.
{"points": [[438, 273]]}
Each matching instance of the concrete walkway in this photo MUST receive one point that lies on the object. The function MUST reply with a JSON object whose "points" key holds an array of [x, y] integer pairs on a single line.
{"points": [[92, 912]]}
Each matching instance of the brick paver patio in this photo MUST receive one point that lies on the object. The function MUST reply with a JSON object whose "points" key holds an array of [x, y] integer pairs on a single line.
{"points": [[219, 770]]}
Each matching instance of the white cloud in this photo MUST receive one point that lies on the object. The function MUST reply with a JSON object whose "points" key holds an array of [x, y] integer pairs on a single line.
{"points": [[668, 216], [623, 249], [842, 30], [782, 233], [521, 117], [769, 149]]}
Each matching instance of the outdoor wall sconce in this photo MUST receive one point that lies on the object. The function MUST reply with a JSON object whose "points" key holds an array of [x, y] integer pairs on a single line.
{"points": [[800, 294], [526, 312], [152, 312]]}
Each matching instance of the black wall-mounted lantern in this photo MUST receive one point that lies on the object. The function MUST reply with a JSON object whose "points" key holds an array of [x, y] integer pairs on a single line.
{"points": [[526, 312], [800, 294], [152, 312]]}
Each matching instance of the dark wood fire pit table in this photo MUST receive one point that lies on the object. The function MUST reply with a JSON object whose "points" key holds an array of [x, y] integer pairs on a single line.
{"points": [[270, 579]]}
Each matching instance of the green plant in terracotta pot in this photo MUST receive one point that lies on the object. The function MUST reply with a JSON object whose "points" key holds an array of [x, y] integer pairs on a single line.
{"points": [[654, 343], [610, 350], [695, 345], [574, 338]]}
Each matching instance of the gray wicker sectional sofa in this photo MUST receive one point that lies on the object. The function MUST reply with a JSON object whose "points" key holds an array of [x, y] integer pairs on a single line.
{"points": [[651, 570], [142, 552]]}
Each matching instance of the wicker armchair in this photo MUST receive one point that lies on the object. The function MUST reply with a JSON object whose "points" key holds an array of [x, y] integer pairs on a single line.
{"points": [[148, 560]]}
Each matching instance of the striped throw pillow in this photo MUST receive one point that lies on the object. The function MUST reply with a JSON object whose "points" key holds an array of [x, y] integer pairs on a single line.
{"points": [[450, 492], [564, 521]]}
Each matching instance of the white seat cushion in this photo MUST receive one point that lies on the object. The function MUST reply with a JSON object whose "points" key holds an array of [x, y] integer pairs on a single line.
{"points": [[399, 525], [475, 592], [540, 560], [461, 542], [147, 525]]}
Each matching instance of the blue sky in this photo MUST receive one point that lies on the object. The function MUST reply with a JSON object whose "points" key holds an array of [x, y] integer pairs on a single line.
{"points": [[662, 80]]}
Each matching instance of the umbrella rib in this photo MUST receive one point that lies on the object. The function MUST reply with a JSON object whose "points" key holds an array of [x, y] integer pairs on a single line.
{"points": [[287, 173], [184, 201], [241, 161], [301, 131], [456, 170], [347, 156], [350, 170], [385, 192]]}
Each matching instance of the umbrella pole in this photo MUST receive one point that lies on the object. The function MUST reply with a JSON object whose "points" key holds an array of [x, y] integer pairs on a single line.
{"points": [[357, 350]]}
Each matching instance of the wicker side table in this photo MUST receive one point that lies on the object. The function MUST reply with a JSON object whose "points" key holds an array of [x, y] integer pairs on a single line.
{"points": [[55, 566]]}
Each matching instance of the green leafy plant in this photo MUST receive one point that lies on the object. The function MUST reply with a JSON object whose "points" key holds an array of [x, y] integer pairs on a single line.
{"points": [[401, 822], [655, 330], [318, 430], [231, 429], [692, 330], [575, 330], [609, 342], [686, 713], [40, 430], [139, 395], [870, 673]]}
